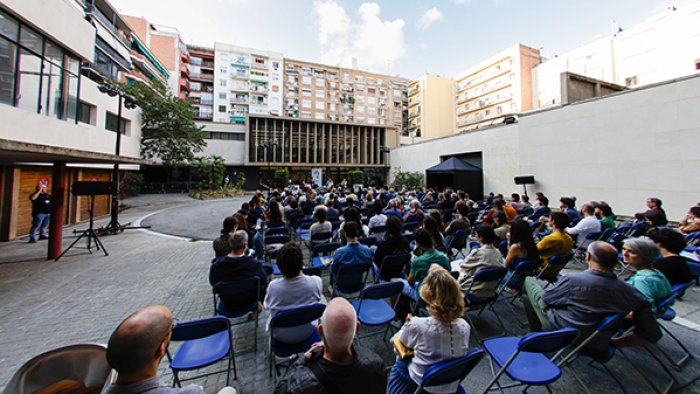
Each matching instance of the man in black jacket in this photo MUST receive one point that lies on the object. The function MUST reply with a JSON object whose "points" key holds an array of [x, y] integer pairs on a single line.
{"points": [[335, 365], [239, 265]]}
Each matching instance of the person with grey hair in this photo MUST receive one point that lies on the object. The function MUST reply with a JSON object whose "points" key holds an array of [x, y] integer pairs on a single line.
{"points": [[583, 300], [392, 209], [334, 365], [416, 213], [640, 253], [239, 265], [588, 225]]}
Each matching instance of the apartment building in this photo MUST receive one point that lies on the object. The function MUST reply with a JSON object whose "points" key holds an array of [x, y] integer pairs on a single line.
{"points": [[167, 46], [202, 81], [430, 108], [664, 47], [58, 127], [247, 81], [494, 88]]}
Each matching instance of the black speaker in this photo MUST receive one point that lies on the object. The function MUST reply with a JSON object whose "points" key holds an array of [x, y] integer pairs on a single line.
{"points": [[94, 188], [525, 180]]}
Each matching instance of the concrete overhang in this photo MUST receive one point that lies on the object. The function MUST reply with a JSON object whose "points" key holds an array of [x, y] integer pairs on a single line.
{"points": [[22, 152]]}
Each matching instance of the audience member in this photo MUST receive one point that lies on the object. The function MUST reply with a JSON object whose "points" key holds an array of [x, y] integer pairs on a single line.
{"points": [[353, 252], [435, 214], [330, 211], [555, 244], [321, 226], [521, 248], [461, 223], [431, 225], [336, 362], [222, 245], [691, 222], [640, 253], [379, 219], [654, 204], [537, 202], [135, 350], [352, 214], [605, 212], [421, 264], [500, 226], [393, 244], [369, 201], [674, 267], [442, 336], [542, 209], [583, 300], [483, 257], [416, 213], [525, 200], [655, 219], [293, 290], [515, 202], [392, 209], [588, 225], [568, 206]]}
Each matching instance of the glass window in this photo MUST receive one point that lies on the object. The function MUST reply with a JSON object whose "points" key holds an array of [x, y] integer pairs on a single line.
{"points": [[320, 94], [371, 111], [8, 26], [73, 66], [275, 101], [360, 109], [53, 53], [320, 116], [320, 82], [306, 103], [111, 123], [223, 70], [31, 40], [371, 120], [222, 96], [222, 108], [85, 113], [306, 93], [8, 53], [306, 80], [320, 105], [222, 82], [360, 99], [51, 85], [29, 78], [371, 100]]}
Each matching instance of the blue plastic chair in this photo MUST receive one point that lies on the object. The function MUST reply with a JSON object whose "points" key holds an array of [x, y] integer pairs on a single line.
{"points": [[319, 238], [322, 250], [367, 241], [410, 227], [397, 262], [666, 313], [205, 342], [238, 298], [350, 278], [293, 318], [458, 241], [277, 231], [371, 308], [555, 261], [472, 303], [450, 371], [269, 256], [523, 359]]}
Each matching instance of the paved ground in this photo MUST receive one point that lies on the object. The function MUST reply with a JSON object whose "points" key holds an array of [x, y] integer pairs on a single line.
{"points": [[83, 297]]}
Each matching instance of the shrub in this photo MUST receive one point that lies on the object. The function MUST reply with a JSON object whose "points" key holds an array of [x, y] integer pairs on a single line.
{"points": [[131, 184], [355, 177], [283, 176]]}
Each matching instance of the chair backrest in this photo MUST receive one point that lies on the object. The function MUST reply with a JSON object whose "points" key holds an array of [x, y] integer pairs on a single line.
{"points": [[490, 274], [367, 241], [294, 219], [297, 316], [320, 237], [276, 224], [336, 224], [83, 363], [664, 304], [503, 248], [277, 231], [452, 370], [333, 218], [312, 271], [239, 292], [326, 248], [408, 237], [535, 225], [410, 226], [545, 342], [607, 234], [447, 214], [394, 264], [680, 289], [558, 260], [277, 239], [381, 290], [593, 236], [351, 275], [528, 266], [201, 328], [459, 238], [377, 229]]}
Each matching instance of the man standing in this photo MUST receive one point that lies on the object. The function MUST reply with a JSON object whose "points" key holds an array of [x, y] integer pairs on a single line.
{"points": [[41, 212], [583, 300], [335, 365], [135, 350]]}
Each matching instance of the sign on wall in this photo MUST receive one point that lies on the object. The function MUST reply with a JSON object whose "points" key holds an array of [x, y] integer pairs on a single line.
{"points": [[317, 176]]}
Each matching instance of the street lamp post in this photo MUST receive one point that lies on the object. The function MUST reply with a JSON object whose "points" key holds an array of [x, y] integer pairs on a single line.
{"points": [[127, 101], [268, 145]]}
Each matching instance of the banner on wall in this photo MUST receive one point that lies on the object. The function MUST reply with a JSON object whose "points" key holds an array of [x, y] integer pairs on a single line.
{"points": [[317, 176]]}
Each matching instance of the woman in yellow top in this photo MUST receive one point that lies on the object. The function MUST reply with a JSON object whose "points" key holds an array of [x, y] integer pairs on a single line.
{"points": [[555, 244]]}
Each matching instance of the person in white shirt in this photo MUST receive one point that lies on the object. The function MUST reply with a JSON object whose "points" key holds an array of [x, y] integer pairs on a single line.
{"points": [[588, 225]]}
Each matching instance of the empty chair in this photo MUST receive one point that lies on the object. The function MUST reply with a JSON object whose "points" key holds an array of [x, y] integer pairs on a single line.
{"points": [[483, 277], [458, 241], [294, 219], [293, 318], [666, 313], [238, 298], [371, 308], [451, 371], [367, 241], [350, 278], [322, 251], [523, 360], [205, 342], [392, 267], [410, 227], [447, 215]]}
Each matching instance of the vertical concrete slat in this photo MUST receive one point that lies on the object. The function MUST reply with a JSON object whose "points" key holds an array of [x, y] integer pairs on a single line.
{"points": [[57, 200]]}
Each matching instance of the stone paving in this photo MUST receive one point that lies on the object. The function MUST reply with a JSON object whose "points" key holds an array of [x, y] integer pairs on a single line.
{"points": [[83, 297]]}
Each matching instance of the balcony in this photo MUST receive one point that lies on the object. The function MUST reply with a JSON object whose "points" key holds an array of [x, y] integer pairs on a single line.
{"points": [[257, 102], [414, 90], [332, 99], [332, 78], [413, 102], [332, 111], [202, 77], [240, 75], [208, 65], [184, 71], [236, 100], [291, 107], [258, 65], [238, 112], [259, 90], [292, 83], [290, 95]]}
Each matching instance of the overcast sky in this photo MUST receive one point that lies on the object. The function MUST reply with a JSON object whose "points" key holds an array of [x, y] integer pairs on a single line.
{"points": [[409, 38]]}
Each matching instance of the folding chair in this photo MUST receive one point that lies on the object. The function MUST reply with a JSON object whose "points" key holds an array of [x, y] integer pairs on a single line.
{"points": [[302, 228], [589, 237], [553, 262], [450, 371], [367, 241], [458, 241], [607, 234], [205, 342], [447, 215], [503, 248], [371, 308], [237, 298], [377, 232], [666, 313], [524, 268], [294, 220], [523, 360], [319, 238], [395, 264], [272, 254], [350, 278], [410, 227], [322, 250], [472, 303], [293, 318], [277, 231]]}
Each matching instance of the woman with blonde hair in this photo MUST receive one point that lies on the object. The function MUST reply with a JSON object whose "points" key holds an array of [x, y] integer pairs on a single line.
{"points": [[442, 336]]}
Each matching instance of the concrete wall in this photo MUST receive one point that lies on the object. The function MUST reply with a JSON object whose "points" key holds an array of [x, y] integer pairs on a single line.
{"points": [[499, 146], [438, 106], [622, 148]]}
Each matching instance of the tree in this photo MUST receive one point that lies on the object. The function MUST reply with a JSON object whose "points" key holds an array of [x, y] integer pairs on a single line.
{"points": [[168, 131], [211, 169]]}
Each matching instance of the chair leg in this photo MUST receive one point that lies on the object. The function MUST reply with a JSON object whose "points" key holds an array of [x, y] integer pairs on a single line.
{"points": [[474, 330], [176, 379]]}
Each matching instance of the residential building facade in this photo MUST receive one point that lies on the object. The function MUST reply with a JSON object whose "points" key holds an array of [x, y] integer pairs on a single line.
{"points": [[430, 108], [495, 88], [201, 85]]}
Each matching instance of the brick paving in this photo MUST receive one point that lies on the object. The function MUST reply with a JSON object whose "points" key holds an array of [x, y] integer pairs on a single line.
{"points": [[83, 297]]}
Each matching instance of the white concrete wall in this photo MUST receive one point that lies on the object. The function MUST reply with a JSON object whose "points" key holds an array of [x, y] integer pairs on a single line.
{"points": [[233, 152], [61, 20], [499, 147], [622, 149]]}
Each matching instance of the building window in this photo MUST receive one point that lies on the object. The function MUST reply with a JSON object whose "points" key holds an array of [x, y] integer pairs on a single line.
{"points": [[320, 116], [360, 120], [275, 65], [275, 101], [499, 110], [371, 100], [223, 70], [306, 103], [488, 112], [397, 114], [320, 94], [217, 135], [358, 78], [306, 80], [320, 82], [222, 82], [371, 111], [371, 90], [275, 88], [320, 105], [306, 115], [371, 121], [85, 113], [111, 121], [360, 109], [222, 108], [466, 107], [360, 99], [697, 64], [360, 88], [275, 77], [222, 96], [306, 93]]}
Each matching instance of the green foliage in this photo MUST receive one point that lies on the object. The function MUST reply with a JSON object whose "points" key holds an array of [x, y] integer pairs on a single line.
{"points": [[168, 131], [284, 178], [131, 184], [210, 169], [240, 180], [355, 177], [410, 179]]}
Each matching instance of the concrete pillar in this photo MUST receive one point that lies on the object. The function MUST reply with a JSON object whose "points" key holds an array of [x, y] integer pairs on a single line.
{"points": [[9, 202], [58, 191]]}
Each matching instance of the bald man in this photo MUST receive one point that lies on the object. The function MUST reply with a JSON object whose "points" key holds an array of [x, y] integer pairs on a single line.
{"points": [[584, 299], [135, 350], [335, 365]]}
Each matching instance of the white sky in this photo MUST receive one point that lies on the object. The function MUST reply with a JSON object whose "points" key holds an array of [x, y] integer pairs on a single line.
{"points": [[405, 37]]}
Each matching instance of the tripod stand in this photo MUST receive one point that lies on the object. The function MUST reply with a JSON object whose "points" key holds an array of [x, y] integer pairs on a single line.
{"points": [[89, 233]]}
